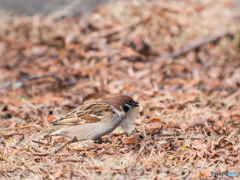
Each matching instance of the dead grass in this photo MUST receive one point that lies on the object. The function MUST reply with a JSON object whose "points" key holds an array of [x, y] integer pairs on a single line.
{"points": [[190, 125]]}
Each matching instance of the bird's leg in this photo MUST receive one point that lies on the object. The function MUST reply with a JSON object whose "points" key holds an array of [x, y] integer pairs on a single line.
{"points": [[65, 144], [35, 141], [99, 140], [36, 148]]}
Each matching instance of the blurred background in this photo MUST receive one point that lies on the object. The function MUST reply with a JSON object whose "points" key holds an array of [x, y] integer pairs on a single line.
{"points": [[179, 58], [45, 7]]}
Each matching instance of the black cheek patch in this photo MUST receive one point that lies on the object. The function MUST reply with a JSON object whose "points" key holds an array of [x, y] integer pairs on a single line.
{"points": [[126, 108]]}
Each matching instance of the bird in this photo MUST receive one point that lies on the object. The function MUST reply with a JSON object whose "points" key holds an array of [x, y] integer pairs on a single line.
{"points": [[93, 120]]}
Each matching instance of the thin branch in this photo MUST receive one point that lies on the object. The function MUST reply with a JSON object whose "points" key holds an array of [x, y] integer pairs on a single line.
{"points": [[29, 79], [113, 60], [180, 137], [232, 96], [65, 144], [64, 12], [190, 47], [12, 134], [36, 148], [21, 127]]}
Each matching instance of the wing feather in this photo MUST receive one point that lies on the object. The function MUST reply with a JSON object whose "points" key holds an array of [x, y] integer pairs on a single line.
{"points": [[87, 113]]}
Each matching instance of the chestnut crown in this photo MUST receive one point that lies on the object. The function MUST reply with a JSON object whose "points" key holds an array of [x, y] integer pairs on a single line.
{"points": [[122, 103]]}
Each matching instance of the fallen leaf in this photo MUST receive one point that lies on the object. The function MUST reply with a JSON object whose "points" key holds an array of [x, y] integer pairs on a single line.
{"points": [[204, 173], [155, 119], [130, 141]]}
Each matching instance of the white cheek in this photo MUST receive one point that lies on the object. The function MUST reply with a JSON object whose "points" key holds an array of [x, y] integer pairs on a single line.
{"points": [[127, 123]]}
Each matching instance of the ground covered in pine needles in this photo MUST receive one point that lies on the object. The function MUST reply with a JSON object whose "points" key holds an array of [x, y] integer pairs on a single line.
{"points": [[179, 59]]}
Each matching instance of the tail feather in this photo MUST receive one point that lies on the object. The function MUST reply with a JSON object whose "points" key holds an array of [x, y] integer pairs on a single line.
{"points": [[50, 131], [34, 137]]}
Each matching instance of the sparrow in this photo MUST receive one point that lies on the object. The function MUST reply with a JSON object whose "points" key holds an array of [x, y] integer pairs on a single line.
{"points": [[93, 120]]}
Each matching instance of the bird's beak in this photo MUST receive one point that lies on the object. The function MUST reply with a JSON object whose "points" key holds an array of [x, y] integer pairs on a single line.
{"points": [[136, 104]]}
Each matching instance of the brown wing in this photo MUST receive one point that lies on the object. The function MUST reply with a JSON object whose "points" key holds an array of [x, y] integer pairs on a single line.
{"points": [[87, 113]]}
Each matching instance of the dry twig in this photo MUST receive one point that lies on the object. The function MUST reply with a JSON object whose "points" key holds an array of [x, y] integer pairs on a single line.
{"points": [[64, 12], [190, 47], [29, 79]]}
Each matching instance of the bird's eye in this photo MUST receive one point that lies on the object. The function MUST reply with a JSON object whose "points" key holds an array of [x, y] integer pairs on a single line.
{"points": [[126, 108]]}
